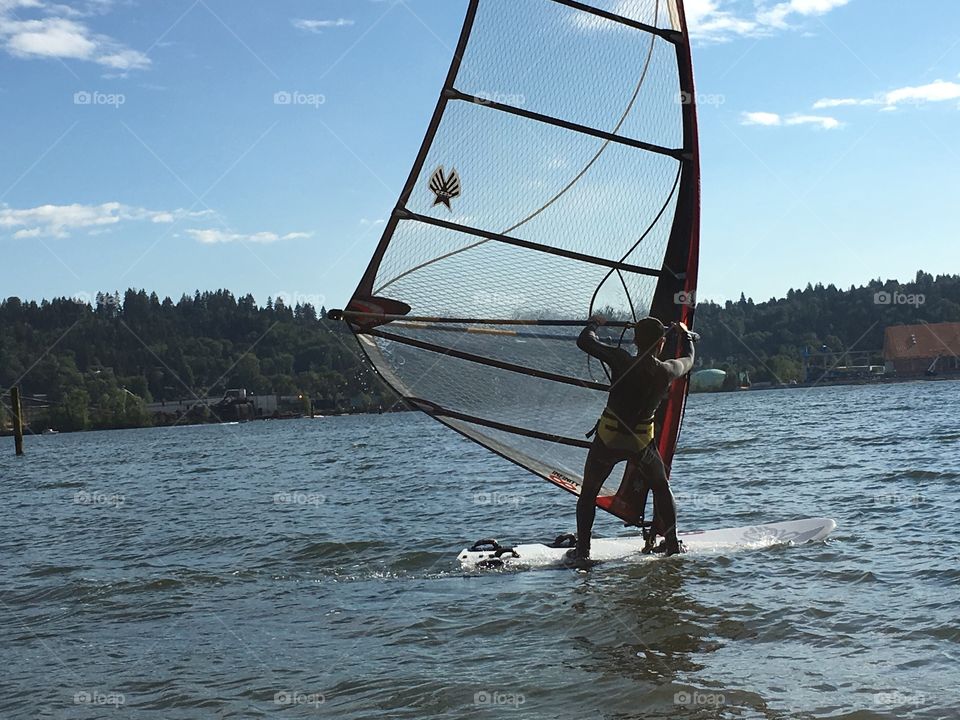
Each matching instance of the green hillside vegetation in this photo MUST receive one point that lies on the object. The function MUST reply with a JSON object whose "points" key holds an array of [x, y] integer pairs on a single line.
{"points": [[99, 364], [767, 339]]}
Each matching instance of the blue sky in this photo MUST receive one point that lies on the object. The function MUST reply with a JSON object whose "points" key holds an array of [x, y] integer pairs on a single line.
{"points": [[145, 144]]}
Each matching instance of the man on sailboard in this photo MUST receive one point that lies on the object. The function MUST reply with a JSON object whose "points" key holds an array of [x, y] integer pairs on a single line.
{"points": [[625, 431]]}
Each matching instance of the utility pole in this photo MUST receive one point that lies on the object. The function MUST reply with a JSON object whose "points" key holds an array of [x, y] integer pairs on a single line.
{"points": [[17, 419]]}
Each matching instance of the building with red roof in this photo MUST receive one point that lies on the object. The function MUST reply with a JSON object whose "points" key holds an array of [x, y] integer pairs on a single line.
{"points": [[922, 349]]}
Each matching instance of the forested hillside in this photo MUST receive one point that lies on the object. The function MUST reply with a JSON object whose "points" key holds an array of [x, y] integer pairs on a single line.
{"points": [[767, 338], [98, 364]]}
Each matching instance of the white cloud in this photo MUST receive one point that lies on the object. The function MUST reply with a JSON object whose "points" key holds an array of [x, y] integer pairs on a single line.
{"points": [[315, 26], [215, 237], [761, 118], [52, 37], [836, 102], [60, 34], [61, 220], [722, 20], [769, 119], [778, 16], [937, 91], [124, 60], [821, 121], [7, 6], [707, 20]]}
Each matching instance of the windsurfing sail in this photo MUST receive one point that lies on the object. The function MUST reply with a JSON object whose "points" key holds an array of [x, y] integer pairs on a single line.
{"points": [[559, 177]]}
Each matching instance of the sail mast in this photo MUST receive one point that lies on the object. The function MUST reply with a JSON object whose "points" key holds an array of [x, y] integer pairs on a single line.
{"points": [[675, 297]]}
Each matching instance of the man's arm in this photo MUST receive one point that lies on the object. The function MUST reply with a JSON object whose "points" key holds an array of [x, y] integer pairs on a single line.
{"points": [[680, 366], [591, 344]]}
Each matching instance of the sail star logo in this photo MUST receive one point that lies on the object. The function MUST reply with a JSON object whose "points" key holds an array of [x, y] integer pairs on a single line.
{"points": [[445, 187]]}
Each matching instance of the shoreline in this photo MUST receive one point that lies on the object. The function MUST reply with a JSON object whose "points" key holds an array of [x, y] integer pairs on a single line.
{"points": [[27, 432], [399, 407], [833, 383]]}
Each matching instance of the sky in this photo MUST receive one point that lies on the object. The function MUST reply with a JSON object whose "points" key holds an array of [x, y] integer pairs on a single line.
{"points": [[259, 146]]}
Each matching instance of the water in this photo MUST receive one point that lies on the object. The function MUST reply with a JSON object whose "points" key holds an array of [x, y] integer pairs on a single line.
{"points": [[307, 569]]}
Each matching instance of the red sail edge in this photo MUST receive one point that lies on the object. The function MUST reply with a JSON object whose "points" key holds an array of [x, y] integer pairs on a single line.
{"points": [[686, 237], [675, 297]]}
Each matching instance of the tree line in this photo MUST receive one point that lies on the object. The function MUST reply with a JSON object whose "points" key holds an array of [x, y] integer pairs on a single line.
{"points": [[767, 339], [96, 364]]}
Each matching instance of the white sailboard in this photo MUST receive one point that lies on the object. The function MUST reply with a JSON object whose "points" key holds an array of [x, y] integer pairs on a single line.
{"points": [[490, 554]]}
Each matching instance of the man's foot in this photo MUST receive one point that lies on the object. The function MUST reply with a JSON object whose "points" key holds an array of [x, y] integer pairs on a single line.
{"points": [[650, 546], [673, 546], [668, 547], [573, 559]]}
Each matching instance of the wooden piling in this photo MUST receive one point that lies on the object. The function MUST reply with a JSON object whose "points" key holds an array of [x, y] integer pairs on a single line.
{"points": [[17, 419]]}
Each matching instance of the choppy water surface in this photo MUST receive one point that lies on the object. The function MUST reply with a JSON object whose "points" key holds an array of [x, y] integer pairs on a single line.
{"points": [[307, 569]]}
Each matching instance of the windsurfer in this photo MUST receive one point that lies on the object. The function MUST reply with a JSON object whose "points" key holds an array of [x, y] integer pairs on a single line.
{"points": [[625, 431]]}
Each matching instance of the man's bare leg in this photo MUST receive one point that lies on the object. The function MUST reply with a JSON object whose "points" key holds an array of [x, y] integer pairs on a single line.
{"points": [[664, 505], [595, 472]]}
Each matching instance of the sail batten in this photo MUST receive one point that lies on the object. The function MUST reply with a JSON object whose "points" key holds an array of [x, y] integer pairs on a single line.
{"points": [[440, 412], [677, 153], [492, 362], [499, 237], [559, 177]]}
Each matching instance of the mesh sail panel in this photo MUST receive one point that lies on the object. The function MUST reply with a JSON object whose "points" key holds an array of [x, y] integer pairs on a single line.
{"points": [[555, 181]]}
